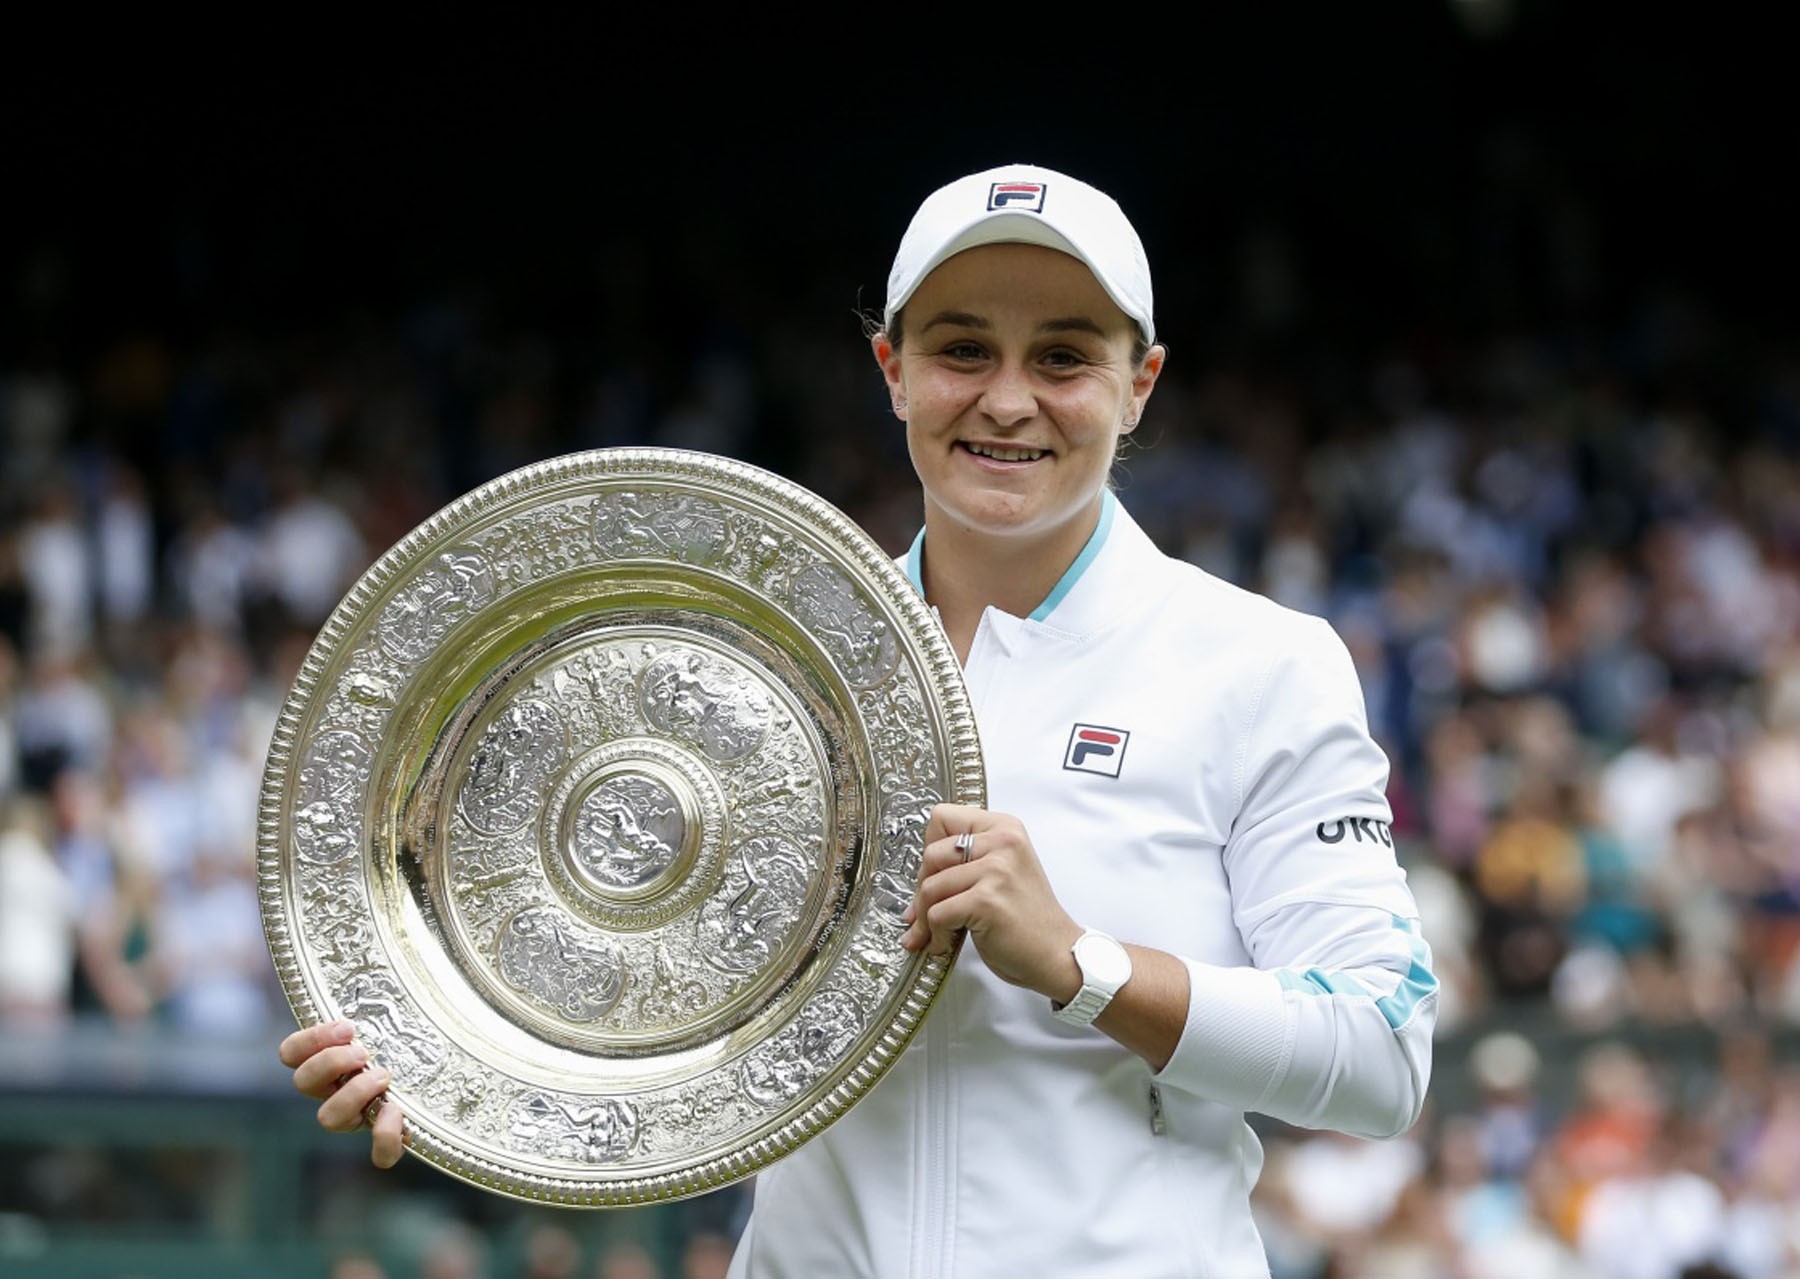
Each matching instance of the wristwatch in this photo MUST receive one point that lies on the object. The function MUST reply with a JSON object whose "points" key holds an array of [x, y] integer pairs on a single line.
{"points": [[1104, 968]]}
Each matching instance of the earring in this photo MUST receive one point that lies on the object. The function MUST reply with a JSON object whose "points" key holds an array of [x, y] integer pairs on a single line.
{"points": [[1129, 423], [900, 407]]}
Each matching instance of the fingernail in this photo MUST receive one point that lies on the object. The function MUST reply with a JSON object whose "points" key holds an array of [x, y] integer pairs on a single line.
{"points": [[907, 915], [342, 1029]]}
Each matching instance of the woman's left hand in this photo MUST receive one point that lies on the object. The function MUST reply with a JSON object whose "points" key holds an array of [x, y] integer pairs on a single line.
{"points": [[999, 893]]}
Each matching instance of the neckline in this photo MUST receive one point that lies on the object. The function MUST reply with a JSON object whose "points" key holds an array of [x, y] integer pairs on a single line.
{"points": [[915, 561]]}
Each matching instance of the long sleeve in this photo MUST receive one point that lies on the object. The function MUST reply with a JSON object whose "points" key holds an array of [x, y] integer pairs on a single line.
{"points": [[1330, 1027]]}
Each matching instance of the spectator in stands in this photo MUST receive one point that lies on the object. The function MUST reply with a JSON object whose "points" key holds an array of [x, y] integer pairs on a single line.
{"points": [[37, 918], [356, 1265], [1341, 1189], [1655, 1215], [10, 775], [1531, 880], [62, 717], [551, 1252], [212, 567], [124, 551], [706, 1256], [1648, 787], [455, 1250], [210, 952], [58, 568], [114, 901], [626, 1259], [309, 550]]}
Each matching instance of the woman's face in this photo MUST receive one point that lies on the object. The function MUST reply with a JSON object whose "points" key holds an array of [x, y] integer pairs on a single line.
{"points": [[1015, 380]]}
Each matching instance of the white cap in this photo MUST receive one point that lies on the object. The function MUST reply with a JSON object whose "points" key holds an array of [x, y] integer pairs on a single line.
{"points": [[1024, 204]]}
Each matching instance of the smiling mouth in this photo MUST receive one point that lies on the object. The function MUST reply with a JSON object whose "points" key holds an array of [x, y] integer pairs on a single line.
{"points": [[999, 454]]}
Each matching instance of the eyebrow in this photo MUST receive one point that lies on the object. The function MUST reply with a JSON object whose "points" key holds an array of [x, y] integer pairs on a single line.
{"points": [[968, 320]]}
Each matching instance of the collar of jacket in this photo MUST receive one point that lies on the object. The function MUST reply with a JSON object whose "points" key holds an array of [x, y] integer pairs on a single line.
{"points": [[1097, 590]]}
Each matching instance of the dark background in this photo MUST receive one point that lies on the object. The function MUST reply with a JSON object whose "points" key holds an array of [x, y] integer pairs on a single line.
{"points": [[1434, 170]]}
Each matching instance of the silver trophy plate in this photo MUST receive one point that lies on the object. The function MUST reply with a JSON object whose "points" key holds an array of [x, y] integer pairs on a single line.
{"points": [[595, 806]]}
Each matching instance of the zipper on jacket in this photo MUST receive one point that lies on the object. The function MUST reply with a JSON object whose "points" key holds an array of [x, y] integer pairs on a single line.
{"points": [[1158, 1125], [932, 1223], [934, 1209]]}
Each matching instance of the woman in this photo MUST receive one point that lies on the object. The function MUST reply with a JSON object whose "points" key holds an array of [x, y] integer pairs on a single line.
{"points": [[1172, 762]]}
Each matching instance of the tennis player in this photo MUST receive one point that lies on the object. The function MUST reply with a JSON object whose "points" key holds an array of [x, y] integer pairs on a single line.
{"points": [[1183, 905]]}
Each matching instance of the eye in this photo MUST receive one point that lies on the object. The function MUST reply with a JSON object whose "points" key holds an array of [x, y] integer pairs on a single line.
{"points": [[1063, 359], [963, 351]]}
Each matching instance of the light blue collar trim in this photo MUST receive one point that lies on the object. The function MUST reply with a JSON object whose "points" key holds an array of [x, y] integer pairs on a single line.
{"points": [[915, 560], [915, 564], [1108, 503]]}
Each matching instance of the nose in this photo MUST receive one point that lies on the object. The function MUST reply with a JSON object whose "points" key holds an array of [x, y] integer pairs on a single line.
{"points": [[1008, 398]]}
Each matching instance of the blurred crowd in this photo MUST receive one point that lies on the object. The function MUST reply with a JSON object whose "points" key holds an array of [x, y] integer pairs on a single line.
{"points": [[1569, 576], [1638, 1172]]}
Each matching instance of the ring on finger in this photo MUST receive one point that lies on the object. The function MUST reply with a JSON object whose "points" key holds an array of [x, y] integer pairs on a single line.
{"points": [[965, 842]]}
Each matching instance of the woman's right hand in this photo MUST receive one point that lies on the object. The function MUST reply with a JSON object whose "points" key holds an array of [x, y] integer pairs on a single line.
{"points": [[331, 1066]]}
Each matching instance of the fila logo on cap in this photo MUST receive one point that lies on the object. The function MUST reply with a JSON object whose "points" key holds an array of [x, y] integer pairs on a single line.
{"points": [[1016, 197], [1094, 748]]}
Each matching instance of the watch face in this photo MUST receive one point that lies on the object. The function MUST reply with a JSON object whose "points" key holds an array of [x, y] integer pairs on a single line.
{"points": [[1103, 961]]}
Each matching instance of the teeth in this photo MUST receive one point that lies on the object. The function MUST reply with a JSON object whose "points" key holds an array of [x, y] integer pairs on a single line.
{"points": [[1005, 455]]}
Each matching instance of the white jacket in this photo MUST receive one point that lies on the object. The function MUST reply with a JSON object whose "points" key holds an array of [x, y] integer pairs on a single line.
{"points": [[1238, 821]]}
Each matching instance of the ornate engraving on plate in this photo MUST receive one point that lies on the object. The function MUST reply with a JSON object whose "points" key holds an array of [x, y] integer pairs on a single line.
{"points": [[698, 699], [321, 835], [517, 754], [764, 556], [765, 883], [674, 526], [390, 1029], [713, 1109], [800, 1054], [892, 714], [464, 1089], [841, 618], [596, 808], [630, 844], [628, 830], [648, 847], [544, 957], [368, 689], [538, 542], [344, 937], [434, 603], [594, 1132], [903, 821], [672, 995], [481, 872], [326, 828]]}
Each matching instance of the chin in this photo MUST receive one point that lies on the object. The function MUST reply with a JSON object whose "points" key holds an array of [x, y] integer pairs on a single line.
{"points": [[989, 510], [1008, 523]]}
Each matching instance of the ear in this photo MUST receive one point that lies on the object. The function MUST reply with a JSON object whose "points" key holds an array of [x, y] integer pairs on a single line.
{"points": [[888, 357], [1143, 381]]}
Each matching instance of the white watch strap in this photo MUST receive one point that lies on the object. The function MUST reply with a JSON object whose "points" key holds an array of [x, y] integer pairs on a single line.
{"points": [[1096, 992], [1089, 1003]]}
